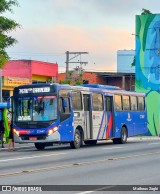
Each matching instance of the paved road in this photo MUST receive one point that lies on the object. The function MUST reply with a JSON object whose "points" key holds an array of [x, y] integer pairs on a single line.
{"points": [[134, 163]]}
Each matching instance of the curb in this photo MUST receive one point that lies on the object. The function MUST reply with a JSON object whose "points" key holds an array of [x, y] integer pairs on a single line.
{"points": [[17, 147], [30, 145], [144, 138]]}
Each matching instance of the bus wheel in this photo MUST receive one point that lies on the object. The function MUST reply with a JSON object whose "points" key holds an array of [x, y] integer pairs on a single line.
{"points": [[90, 142], [40, 146], [123, 137], [115, 140], [77, 143]]}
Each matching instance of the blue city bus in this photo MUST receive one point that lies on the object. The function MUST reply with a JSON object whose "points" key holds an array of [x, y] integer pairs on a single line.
{"points": [[45, 114]]}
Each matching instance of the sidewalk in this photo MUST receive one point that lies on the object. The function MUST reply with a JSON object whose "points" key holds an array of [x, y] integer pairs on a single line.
{"points": [[143, 138], [18, 146], [31, 145]]}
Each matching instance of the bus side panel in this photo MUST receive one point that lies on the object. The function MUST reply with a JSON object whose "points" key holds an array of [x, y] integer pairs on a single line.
{"points": [[128, 121], [117, 127], [109, 125], [79, 121], [66, 130], [102, 125], [99, 124], [123, 118], [141, 123]]}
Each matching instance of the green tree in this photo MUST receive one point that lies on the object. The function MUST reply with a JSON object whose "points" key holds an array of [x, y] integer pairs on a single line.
{"points": [[145, 11], [134, 62], [6, 26]]}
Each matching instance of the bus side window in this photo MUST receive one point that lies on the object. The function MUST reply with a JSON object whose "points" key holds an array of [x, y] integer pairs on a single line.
{"points": [[108, 101], [126, 103], [118, 102], [76, 101], [64, 107], [97, 102], [133, 103], [141, 103]]}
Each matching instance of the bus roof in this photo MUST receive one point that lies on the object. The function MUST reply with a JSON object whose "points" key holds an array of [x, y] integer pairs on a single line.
{"points": [[108, 87], [87, 87]]}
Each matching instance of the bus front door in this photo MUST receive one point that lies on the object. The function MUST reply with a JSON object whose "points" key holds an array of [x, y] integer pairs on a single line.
{"points": [[87, 116]]}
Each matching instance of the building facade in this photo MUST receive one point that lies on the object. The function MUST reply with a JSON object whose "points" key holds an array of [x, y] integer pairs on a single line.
{"points": [[123, 80], [20, 72], [148, 66], [125, 61]]}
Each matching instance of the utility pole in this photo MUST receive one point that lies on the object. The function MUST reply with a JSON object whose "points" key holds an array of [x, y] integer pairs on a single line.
{"points": [[67, 65], [68, 60]]}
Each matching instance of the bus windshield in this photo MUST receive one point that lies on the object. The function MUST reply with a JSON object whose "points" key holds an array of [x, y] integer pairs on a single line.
{"points": [[39, 108]]}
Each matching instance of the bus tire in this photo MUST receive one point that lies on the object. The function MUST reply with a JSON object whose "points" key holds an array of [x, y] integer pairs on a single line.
{"points": [[123, 138], [115, 140], [40, 146], [90, 142], [77, 143]]}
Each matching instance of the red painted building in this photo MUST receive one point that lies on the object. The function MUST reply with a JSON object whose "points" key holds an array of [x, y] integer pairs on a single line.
{"points": [[122, 80], [19, 72]]}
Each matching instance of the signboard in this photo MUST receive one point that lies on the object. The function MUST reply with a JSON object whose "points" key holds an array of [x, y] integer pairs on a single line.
{"points": [[34, 90], [15, 81]]}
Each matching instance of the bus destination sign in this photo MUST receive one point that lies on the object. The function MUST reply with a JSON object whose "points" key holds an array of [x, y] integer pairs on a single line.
{"points": [[34, 90]]}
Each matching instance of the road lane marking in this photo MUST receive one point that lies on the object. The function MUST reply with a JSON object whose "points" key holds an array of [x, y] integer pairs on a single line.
{"points": [[85, 192], [77, 164], [154, 143], [30, 157], [111, 148], [134, 156]]}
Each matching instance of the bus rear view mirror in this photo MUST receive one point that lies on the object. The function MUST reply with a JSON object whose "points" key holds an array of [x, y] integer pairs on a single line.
{"points": [[9, 102]]}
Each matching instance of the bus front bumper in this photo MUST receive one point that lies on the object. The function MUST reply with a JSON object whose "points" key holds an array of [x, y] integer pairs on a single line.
{"points": [[55, 137]]}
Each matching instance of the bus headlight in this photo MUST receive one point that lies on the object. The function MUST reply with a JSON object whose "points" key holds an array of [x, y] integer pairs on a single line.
{"points": [[15, 132], [53, 130]]}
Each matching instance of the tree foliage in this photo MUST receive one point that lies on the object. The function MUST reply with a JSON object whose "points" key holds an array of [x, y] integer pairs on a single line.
{"points": [[6, 26], [145, 11], [134, 62]]}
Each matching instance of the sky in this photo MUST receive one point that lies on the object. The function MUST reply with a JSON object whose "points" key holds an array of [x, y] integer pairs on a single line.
{"points": [[49, 28]]}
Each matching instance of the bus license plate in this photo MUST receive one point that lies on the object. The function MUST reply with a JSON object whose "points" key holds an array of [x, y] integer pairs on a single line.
{"points": [[32, 138]]}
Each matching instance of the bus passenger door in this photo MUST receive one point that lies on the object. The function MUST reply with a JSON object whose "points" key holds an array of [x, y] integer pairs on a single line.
{"points": [[87, 116], [109, 117]]}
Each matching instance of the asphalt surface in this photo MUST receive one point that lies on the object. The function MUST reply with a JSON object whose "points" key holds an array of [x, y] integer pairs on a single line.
{"points": [[31, 145]]}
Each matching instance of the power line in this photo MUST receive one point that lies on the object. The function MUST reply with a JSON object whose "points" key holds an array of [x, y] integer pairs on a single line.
{"points": [[68, 60]]}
